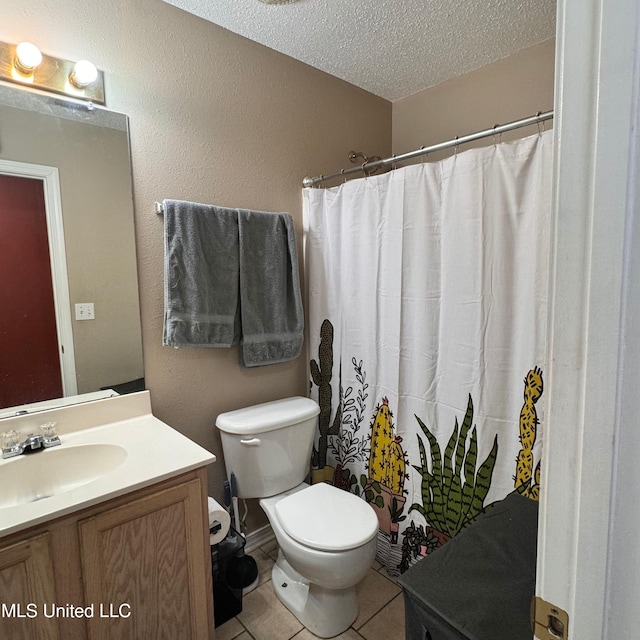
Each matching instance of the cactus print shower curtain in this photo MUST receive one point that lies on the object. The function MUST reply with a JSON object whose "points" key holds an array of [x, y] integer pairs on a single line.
{"points": [[427, 316]]}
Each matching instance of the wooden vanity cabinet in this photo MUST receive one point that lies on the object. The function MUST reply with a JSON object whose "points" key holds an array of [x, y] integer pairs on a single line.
{"points": [[26, 578], [138, 565]]}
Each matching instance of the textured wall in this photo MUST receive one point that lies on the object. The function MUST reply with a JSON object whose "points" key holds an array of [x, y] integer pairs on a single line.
{"points": [[214, 118], [512, 88], [392, 49], [217, 118]]}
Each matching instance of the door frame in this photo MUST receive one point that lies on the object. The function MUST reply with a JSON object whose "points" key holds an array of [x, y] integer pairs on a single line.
{"points": [[58, 260], [587, 562]]}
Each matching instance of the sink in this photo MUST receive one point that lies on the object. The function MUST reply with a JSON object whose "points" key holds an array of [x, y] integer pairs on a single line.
{"points": [[43, 474], [109, 449]]}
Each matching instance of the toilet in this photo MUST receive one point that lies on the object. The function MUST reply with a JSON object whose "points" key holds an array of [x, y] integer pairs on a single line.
{"points": [[327, 536]]}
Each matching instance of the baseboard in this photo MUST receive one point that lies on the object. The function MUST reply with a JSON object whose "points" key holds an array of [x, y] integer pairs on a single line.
{"points": [[259, 538]]}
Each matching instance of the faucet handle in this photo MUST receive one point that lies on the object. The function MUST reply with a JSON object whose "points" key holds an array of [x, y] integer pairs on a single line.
{"points": [[10, 444], [10, 439], [50, 434]]}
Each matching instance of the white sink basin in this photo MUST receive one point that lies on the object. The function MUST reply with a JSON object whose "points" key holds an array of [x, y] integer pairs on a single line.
{"points": [[43, 474], [109, 448]]}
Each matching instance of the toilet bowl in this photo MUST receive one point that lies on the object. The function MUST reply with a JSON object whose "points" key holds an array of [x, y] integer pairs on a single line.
{"points": [[326, 536], [318, 584]]}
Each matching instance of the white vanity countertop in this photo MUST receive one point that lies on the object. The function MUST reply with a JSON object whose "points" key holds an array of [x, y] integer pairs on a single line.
{"points": [[154, 452]]}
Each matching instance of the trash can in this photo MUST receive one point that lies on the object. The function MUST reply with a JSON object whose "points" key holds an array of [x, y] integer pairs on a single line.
{"points": [[227, 598]]}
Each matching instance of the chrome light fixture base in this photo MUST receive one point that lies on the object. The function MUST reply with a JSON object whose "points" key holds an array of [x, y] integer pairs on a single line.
{"points": [[51, 74]]}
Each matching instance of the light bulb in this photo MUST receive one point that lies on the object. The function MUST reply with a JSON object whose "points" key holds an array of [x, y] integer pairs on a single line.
{"points": [[28, 57], [83, 74]]}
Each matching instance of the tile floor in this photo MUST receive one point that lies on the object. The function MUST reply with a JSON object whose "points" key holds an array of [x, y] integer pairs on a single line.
{"points": [[264, 617]]}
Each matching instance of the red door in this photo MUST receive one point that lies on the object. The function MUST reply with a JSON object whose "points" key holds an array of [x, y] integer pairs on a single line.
{"points": [[29, 357]]}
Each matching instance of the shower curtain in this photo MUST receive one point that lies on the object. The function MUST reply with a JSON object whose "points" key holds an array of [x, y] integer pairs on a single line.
{"points": [[427, 317]]}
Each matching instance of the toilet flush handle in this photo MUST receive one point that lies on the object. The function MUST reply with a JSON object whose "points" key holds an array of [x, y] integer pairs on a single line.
{"points": [[251, 442]]}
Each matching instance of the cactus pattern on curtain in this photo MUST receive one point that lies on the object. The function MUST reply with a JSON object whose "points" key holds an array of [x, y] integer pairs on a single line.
{"points": [[427, 318]]}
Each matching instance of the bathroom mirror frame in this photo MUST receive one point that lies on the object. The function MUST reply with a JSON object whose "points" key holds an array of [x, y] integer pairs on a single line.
{"points": [[88, 147]]}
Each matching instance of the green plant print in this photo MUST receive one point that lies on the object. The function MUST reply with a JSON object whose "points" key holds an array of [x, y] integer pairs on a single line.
{"points": [[321, 374], [453, 491]]}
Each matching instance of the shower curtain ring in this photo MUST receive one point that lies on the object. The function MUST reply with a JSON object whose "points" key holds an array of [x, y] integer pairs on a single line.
{"points": [[394, 164], [424, 155], [540, 122], [495, 126], [364, 171], [455, 147], [342, 174]]}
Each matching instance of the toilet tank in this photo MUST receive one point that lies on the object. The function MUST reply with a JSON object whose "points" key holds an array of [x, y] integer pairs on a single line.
{"points": [[268, 446]]}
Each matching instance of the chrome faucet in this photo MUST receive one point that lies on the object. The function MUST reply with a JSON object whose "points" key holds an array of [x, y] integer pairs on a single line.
{"points": [[32, 442], [12, 446]]}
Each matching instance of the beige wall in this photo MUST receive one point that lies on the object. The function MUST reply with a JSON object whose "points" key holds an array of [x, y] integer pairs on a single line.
{"points": [[214, 118], [217, 118], [509, 89]]}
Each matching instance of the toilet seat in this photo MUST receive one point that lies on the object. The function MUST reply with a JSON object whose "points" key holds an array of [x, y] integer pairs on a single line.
{"points": [[325, 518]]}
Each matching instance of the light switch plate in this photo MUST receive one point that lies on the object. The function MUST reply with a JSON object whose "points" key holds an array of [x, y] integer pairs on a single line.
{"points": [[85, 311]]}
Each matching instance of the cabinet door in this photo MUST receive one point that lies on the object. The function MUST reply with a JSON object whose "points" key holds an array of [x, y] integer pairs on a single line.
{"points": [[26, 589], [145, 567]]}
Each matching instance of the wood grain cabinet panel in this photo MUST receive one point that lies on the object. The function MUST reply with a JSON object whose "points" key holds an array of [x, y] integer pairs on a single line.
{"points": [[142, 564], [139, 567], [26, 587]]}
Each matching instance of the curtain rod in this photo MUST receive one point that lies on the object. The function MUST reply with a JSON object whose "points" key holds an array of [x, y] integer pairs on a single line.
{"points": [[498, 129]]}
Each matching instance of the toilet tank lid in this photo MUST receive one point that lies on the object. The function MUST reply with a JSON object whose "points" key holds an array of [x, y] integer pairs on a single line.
{"points": [[268, 416]]}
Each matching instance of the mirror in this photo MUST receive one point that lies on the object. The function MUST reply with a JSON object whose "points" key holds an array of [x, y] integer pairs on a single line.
{"points": [[84, 152]]}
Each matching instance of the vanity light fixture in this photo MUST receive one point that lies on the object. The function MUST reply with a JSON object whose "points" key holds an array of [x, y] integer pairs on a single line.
{"points": [[25, 65], [28, 57], [84, 73]]}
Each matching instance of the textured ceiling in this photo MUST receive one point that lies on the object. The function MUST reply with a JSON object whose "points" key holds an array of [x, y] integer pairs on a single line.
{"points": [[392, 48]]}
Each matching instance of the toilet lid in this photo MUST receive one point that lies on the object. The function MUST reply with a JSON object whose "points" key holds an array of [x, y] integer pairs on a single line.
{"points": [[328, 519]]}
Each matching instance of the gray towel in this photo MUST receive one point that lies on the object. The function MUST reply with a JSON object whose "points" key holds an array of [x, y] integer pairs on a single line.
{"points": [[232, 275], [270, 300], [201, 275]]}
